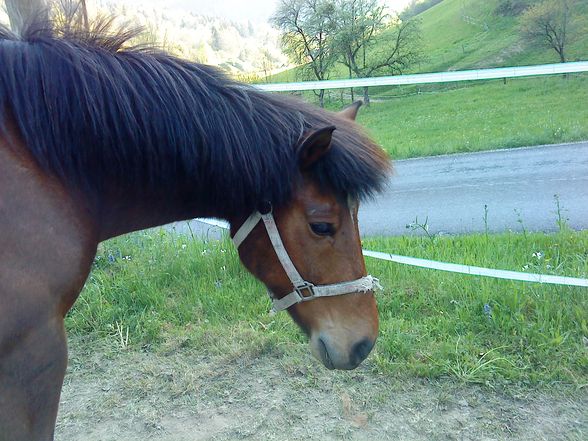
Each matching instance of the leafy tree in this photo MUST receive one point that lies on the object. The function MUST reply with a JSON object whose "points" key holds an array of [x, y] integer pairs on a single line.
{"points": [[550, 23], [370, 42], [217, 42], [307, 35], [267, 63]]}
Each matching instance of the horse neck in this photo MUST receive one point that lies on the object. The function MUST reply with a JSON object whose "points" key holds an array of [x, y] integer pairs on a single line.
{"points": [[119, 212]]}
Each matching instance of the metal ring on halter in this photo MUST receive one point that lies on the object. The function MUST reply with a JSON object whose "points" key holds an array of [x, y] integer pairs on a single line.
{"points": [[303, 290], [265, 207]]}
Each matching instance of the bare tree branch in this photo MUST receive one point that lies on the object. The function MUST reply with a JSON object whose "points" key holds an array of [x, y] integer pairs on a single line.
{"points": [[549, 22], [307, 31], [371, 42]]}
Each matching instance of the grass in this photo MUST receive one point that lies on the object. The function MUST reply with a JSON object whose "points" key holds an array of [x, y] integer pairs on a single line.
{"points": [[463, 35], [441, 119], [484, 116], [150, 290], [480, 329]]}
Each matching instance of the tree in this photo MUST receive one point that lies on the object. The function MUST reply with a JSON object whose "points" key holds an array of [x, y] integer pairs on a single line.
{"points": [[370, 42], [307, 33], [21, 12], [267, 63], [550, 23]]}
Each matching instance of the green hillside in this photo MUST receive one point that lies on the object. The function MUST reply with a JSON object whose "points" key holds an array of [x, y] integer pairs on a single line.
{"points": [[464, 34], [432, 119], [469, 34]]}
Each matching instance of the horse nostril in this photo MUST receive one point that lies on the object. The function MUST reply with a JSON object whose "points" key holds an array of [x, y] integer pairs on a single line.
{"points": [[333, 356], [361, 350], [324, 353]]}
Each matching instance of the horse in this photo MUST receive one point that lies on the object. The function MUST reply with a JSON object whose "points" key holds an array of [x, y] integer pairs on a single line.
{"points": [[99, 138]]}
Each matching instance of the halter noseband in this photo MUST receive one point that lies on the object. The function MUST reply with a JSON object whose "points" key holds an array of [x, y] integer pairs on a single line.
{"points": [[303, 290]]}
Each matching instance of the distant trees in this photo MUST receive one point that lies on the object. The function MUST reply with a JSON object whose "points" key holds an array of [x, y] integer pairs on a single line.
{"points": [[220, 39], [550, 22], [307, 35], [359, 34], [370, 42]]}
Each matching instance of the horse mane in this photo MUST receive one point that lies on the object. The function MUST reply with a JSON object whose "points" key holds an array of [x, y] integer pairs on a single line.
{"points": [[99, 114]]}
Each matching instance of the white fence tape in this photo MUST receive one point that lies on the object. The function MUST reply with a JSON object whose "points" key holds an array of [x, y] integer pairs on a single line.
{"points": [[453, 267], [437, 77], [478, 271]]}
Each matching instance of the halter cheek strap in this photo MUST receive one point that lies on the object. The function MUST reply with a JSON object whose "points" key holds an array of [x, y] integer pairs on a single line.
{"points": [[303, 290]]}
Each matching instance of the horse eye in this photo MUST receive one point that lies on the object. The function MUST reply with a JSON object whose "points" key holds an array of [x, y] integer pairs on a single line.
{"points": [[323, 229]]}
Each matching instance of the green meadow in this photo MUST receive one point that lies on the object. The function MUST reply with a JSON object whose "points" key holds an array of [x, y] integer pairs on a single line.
{"points": [[471, 117], [152, 290]]}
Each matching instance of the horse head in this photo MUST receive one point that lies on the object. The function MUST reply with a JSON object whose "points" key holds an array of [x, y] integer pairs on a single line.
{"points": [[308, 254]]}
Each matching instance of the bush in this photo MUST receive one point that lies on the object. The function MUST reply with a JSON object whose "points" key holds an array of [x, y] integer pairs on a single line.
{"points": [[512, 8], [415, 7]]}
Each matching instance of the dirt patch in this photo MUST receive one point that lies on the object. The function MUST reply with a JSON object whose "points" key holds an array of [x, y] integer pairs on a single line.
{"points": [[501, 57], [182, 395]]}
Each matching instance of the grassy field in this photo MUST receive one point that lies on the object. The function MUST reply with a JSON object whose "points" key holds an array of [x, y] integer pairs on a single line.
{"points": [[474, 117], [150, 290]]}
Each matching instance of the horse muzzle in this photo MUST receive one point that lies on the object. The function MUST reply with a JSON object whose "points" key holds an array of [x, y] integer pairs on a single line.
{"points": [[337, 353]]}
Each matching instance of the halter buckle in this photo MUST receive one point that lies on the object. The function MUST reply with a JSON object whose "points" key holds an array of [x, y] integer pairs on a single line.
{"points": [[305, 291]]}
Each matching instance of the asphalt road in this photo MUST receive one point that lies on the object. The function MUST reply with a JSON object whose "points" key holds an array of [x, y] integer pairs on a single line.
{"points": [[449, 192], [517, 186]]}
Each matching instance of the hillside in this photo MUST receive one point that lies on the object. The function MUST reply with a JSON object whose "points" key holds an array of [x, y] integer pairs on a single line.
{"points": [[460, 34], [433, 119], [470, 34]]}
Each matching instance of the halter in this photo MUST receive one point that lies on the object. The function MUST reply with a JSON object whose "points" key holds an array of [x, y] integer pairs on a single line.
{"points": [[304, 291]]}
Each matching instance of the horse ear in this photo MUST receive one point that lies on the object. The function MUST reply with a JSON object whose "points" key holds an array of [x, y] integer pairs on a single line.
{"points": [[314, 146], [350, 112]]}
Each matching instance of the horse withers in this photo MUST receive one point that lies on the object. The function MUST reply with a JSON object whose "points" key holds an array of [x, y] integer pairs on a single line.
{"points": [[97, 140]]}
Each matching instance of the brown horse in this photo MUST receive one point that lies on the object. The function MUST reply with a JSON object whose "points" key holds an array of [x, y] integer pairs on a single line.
{"points": [[97, 141]]}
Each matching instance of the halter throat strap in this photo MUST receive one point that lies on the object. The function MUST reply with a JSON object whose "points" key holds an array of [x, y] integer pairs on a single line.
{"points": [[303, 290]]}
